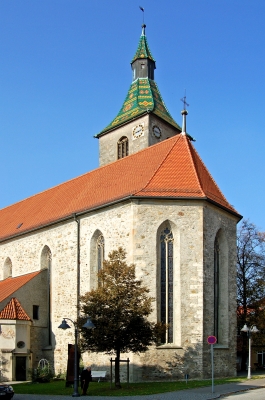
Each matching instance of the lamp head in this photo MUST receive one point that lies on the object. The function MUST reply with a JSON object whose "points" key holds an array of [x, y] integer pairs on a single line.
{"points": [[245, 328], [89, 324], [64, 325], [254, 329]]}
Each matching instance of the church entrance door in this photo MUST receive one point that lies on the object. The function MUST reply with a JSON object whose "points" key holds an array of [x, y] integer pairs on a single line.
{"points": [[21, 370]]}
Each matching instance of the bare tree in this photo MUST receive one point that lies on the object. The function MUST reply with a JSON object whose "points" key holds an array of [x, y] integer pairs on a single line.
{"points": [[250, 282], [250, 271]]}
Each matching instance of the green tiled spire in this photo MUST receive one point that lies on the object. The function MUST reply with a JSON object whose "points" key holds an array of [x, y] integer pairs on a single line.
{"points": [[143, 50], [143, 95]]}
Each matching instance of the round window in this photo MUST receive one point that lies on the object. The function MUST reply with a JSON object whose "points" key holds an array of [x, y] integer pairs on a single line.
{"points": [[20, 344]]}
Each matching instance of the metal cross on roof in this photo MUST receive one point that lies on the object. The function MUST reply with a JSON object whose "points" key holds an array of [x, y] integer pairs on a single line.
{"points": [[184, 101]]}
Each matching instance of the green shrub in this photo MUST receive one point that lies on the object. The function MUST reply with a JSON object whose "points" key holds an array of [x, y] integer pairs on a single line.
{"points": [[42, 375]]}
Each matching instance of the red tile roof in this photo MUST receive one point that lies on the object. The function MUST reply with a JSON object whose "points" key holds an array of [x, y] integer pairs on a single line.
{"points": [[14, 310], [171, 168], [10, 285]]}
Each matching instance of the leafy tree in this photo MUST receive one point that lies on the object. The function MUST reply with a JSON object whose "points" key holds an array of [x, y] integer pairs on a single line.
{"points": [[119, 308], [250, 280]]}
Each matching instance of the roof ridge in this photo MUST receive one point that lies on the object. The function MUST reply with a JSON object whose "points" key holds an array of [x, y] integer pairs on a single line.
{"points": [[10, 285], [45, 190], [138, 152], [210, 175], [20, 209], [188, 143], [65, 182], [162, 162], [29, 273], [113, 182]]}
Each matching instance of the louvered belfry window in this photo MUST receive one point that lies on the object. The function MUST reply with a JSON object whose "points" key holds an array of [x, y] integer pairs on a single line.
{"points": [[123, 147], [166, 239]]}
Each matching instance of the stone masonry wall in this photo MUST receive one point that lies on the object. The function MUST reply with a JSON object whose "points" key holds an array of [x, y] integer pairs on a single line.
{"points": [[108, 142], [218, 222], [136, 227]]}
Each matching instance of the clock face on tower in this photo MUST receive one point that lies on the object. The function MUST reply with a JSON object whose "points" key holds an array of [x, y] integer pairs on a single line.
{"points": [[138, 131], [156, 131]]}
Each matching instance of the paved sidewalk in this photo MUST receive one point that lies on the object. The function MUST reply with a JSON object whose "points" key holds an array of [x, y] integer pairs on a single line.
{"points": [[190, 394]]}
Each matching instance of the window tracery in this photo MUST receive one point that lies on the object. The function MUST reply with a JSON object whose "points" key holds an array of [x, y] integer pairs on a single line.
{"points": [[166, 284], [216, 287], [46, 263], [100, 251], [123, 147]]}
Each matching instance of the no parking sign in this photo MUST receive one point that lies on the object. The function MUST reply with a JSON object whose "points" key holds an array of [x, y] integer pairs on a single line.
{"points": [[212, 340]]}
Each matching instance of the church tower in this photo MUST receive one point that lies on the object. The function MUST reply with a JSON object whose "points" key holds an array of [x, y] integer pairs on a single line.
{"points": [[143, 119]]}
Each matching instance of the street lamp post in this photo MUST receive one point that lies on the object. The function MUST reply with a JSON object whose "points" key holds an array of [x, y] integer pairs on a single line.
{"points": [[249, 331], [64, 325]]}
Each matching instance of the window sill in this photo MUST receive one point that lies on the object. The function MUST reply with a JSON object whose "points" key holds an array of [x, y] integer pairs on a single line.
{"points": [[47, 348], [168, 346], [221, 346]]}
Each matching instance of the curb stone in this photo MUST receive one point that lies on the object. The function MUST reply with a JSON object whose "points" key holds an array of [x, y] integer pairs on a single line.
{"points": [[241, 391]]}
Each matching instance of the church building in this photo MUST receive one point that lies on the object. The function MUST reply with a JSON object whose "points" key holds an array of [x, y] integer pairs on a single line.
{"points": [[151, 195]]}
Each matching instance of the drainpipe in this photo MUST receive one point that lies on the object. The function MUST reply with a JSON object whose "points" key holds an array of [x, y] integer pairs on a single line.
{"points": [[77, 266]]}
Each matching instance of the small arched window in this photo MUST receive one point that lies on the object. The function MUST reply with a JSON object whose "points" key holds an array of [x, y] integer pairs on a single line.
{"points": [[123, 147], [45, 258], [7, 268]]}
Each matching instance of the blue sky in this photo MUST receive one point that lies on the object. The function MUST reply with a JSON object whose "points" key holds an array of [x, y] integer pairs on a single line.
{"points": [[65, 72]]}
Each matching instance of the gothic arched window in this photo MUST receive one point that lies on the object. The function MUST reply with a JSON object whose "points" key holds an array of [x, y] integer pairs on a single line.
{"points": [[7, 268], [45, 258], [220, 288], [216, 286], [100, 251], [166, 284], [46, 263], [97, 254], [123, 147]]}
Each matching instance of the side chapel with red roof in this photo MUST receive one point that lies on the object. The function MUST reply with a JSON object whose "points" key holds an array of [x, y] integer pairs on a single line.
{"points": [[151, 195]]}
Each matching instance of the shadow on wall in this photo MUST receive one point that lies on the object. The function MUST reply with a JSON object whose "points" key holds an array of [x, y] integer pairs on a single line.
{"points": [[186, 362], [175, 366], [3, 369]]}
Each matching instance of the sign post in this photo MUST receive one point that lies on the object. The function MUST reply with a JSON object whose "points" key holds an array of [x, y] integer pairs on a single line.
{"points": [[212, 340]]}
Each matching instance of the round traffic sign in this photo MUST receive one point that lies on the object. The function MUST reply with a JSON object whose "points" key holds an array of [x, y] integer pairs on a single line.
{"points": [[211, 340]]}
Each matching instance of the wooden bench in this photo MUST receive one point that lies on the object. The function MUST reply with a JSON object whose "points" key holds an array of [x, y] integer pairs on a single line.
{"points": [[98, 374]]}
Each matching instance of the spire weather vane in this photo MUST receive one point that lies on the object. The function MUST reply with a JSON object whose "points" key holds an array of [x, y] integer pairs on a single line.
{"points": [[142, 9]]}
